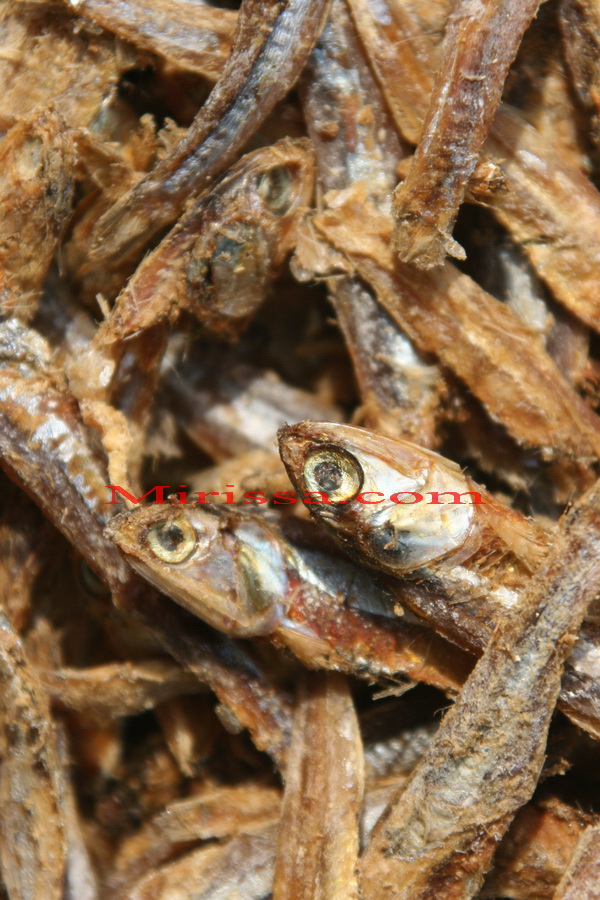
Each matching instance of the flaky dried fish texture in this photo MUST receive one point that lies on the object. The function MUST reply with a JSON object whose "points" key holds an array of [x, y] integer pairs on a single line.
{"points": [[533, 855], [318, 831], [191, 35], [540, 197], [76, 70], [253, 698], [265, 68], [118, 689], [33, 848], [446, 313], [45, 447], [481, 41], [241, 575], [219, 812], [581, 880], [441, 831], [580, 26], [222, 255], [354, 140], [242, 867], [36, 191]]}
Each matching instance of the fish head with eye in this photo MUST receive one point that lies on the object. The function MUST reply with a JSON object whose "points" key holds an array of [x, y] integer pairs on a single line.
{"points": [[231, 570], [361, 472]]}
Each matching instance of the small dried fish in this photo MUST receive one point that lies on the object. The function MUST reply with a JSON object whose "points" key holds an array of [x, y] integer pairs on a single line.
{"points": [[355, 141], [481, 41], [242, 576], [236, 408], [114, 690], [470, 561], [439, 834], [580, 881], [265, 69], [36, 191], [194, 36], [546, 203], [447, 313], [318, 830], [33, 851]]}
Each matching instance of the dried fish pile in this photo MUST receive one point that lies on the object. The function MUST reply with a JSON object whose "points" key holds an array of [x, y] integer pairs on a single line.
{"points": [[299, 438]]}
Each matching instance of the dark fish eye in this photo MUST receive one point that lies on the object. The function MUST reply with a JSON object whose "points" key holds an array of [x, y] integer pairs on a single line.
{"points": [[337, 474], [173, 540], [275, 189]]}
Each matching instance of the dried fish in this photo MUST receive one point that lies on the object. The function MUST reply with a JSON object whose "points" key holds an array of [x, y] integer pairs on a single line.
{"points": [[547, 204], [33, 848], [354, 141], [580, 26], [481, 42], [580, 881], [439, 834], [114, 690], [238, 408], [318, 831], [219, 812], [36, 191], [447, 313], [471, 560], [242, 576], [265, 68], [192, 35]]}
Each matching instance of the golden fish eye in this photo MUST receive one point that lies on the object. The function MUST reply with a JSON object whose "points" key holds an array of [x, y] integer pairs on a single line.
{"points": [[336, 474], [275, 189], [173, 540]]}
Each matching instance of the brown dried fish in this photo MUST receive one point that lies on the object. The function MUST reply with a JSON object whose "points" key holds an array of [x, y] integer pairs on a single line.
{"points": [[266, 68], [440, 833], [241, 575], [36, 191], [447, 313], [318, 831], [194, 36], [33, 849], [481, 41], [354, 140]]}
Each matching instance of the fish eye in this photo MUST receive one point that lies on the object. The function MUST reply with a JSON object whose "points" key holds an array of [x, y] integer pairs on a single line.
{"points": [[275, 189], [337, 474], [173, 540]]}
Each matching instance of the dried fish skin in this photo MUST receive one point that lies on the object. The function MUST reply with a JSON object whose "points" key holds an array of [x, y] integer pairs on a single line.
{"points": [[580, 23], [45, 447], [229, 408], [481, 42], [410, 528], [440, 832], [241, 575], [580, 881], [241, 867], [191, 35], [33, 848], [442, 311], [265, 68], [354, 140], [318, 830], [36, 191], [220, 258]]}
